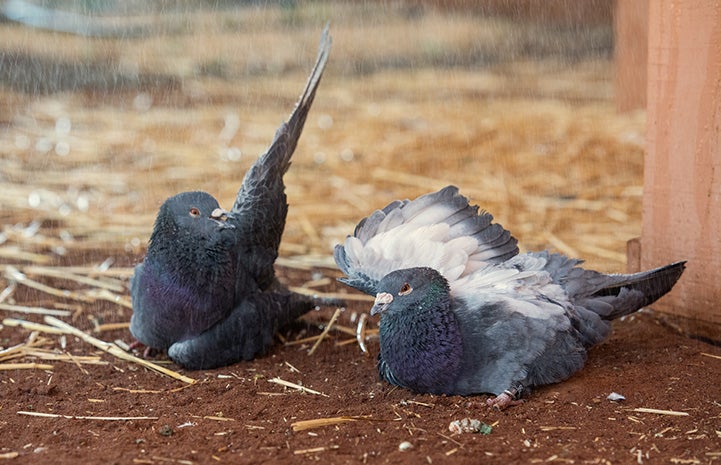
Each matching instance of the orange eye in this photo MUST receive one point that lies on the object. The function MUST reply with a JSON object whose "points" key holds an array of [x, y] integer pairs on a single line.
{"points": [[194, 212], [405, 289]]}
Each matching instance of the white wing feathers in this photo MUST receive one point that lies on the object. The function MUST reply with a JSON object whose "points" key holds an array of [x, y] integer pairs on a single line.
{"points": [[410, 245], [438, 230], [522, 284]]}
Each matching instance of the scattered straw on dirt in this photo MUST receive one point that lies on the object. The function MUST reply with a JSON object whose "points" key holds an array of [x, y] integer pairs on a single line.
{"points": [[115, 350], [295, 386], [79, 417], [660, 412]]}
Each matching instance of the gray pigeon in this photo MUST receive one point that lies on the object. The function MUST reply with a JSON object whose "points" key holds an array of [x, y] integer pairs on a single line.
{"points": [[206, 291], [462, 312]]}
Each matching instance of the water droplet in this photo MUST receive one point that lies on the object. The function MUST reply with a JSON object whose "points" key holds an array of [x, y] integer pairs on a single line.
{"points": [[82, 203], [32, 229], [231, 154], [34, 199], [319, 158], [63, 126], [325, 121], [43, 145], [142, 102], [62, 148], [65, 236], [64, 210], [230, 128], [347, 154]]}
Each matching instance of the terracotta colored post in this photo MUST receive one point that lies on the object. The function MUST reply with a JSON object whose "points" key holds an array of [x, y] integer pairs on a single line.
{"points": [[630, 24], [682, 181]]}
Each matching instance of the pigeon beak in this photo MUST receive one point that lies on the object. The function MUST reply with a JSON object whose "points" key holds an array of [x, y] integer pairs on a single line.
{"points": [[221, 217], [383, 300]]}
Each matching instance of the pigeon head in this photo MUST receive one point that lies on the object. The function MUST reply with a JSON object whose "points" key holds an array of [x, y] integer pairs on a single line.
{"points": [[408, 289], [194, 213], [421, 347]]}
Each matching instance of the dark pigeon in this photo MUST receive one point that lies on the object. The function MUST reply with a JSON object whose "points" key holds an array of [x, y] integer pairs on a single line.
{"points": [[462, 312], [207, 291]]}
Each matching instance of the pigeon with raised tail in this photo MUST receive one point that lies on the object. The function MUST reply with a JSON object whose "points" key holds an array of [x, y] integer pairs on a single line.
{"points": [[207, 291], [462, 312]]}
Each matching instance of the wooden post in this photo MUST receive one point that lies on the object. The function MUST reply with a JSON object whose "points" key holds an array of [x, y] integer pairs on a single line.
{"points": [[682, 178], [630, 25]]}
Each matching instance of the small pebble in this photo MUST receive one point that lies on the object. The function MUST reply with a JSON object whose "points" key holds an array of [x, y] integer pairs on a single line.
{"points": [[615, 397], [404, 446], [165, 430]]}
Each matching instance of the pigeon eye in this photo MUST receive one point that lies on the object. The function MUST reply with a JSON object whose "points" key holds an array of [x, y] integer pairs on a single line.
{"points": [[405, 289], [194, 212]]}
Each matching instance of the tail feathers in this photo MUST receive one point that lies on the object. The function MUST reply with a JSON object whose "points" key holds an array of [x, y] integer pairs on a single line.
{"points": [[627, 293]]}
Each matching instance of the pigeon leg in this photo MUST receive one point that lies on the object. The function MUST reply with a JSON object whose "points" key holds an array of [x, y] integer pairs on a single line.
{"points": [[508, 398]]}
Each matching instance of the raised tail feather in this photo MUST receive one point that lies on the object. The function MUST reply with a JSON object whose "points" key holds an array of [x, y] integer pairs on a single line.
{"points": [[628, 293]]}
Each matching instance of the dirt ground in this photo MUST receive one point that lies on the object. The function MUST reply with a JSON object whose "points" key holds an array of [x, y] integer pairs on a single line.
{"points": [[236, 415], [412, 100]]}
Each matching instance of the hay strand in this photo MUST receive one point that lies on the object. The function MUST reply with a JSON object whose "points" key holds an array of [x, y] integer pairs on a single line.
{"points": [[297, 387], [25, 366], [34, 310], [83, 417], [321, 422], [315, 450], [31, 326], [335, 316], [114, 350], [14, 274], [64, 273], [660, 412]]}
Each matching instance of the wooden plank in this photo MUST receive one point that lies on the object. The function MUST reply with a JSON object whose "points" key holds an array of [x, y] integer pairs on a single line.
{"points": [[630, 27], [682, 180], [562, 12]]}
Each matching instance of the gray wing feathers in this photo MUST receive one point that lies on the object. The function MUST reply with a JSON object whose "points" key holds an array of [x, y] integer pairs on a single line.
{"points": [[271, 166], [260, 208]]}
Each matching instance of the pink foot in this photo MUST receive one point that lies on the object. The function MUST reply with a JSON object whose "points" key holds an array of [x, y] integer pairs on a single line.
{"points": [[503, 401], [147, 352]]}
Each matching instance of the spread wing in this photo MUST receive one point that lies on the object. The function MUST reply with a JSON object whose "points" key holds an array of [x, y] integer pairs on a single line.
{"points": [[260, 207], [439, 230]]}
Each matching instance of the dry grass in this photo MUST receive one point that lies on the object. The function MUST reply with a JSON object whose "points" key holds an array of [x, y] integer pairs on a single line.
{"points": [[536, 142]]}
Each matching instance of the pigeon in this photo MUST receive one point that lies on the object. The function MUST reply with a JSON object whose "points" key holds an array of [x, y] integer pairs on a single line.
{"points": [[462, 312], [206, 290]]}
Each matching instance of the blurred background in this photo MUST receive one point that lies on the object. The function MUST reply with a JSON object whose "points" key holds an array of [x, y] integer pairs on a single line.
{"points": [[109, 107]]}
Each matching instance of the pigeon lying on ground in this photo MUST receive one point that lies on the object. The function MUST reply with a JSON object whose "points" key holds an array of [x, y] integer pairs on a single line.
{"points": [[463, 313], [207, 291]]}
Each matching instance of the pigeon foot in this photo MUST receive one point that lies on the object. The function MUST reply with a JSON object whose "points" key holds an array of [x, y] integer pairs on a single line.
{"points": [[503, 401], [148, 352]]}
